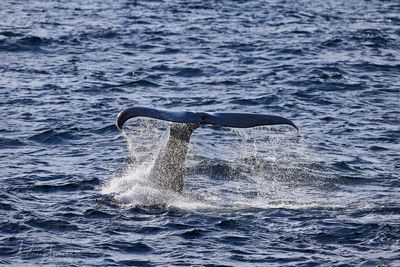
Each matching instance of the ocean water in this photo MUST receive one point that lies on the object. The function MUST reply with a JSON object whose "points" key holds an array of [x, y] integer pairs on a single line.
{"points": [[73, 189]]}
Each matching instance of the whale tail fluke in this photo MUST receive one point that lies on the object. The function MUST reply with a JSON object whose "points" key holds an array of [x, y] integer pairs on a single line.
{"points": [[168, 170], [195, 119]]}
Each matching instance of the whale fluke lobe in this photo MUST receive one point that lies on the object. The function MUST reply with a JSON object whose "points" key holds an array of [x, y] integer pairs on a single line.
{"points": [[235, 120], [182, 117], [243, 120], [168, 170]]}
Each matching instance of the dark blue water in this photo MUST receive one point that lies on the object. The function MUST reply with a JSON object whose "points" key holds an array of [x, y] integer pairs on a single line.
{"points": [[73, 190]]}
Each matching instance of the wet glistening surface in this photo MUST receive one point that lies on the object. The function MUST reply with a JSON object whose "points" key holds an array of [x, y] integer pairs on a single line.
{"points": [[73, 188]]}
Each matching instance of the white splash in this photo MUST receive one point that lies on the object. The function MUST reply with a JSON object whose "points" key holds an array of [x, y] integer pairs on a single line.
{"points": [[269, 170]]}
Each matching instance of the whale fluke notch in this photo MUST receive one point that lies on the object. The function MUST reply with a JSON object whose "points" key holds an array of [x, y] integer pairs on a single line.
{"points": [[235, 120]]}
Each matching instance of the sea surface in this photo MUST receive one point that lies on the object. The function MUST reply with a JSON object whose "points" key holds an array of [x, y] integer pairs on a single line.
{"points": [[74, 190]]}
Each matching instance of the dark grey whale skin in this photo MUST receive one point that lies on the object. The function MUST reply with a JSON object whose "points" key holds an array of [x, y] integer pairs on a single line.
{"points": [[168, 170], [235, 120]]}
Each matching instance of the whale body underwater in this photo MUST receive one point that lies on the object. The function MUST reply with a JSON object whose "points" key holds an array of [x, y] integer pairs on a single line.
{"points": [[169, 167]]}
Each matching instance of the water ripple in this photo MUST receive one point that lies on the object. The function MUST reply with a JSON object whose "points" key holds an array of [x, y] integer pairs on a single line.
{"points": [[74, 190]]}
